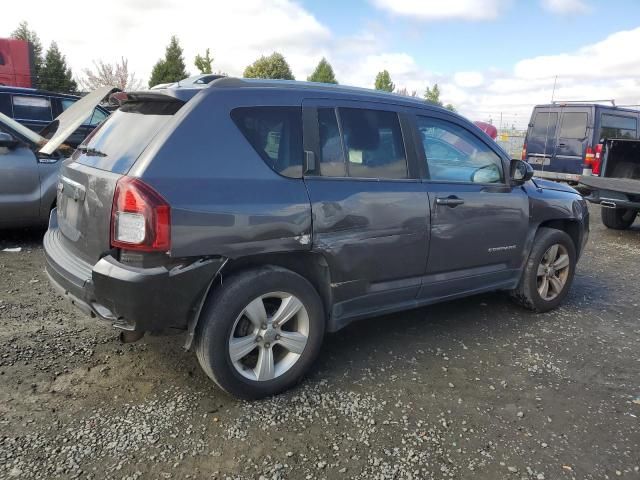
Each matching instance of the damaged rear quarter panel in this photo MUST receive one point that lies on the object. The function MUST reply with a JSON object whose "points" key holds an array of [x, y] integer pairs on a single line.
{"points": [[224, 199]]}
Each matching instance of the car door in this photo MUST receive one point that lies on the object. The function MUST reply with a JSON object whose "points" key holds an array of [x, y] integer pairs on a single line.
{"points": [[370, 212], [478, 221], [572, 140], [19, 185], [541, 137]]}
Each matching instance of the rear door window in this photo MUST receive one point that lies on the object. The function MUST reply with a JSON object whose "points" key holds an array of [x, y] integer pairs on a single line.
{"points": [[332, 162], [275, 133], [27, 107], [94, 119], [574, 125], [618, 126], [5, 104], [544, 125], [373, 143]]}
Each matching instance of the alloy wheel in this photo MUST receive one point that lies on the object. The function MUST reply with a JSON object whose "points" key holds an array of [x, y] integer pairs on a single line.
{"points": [[269, 336], [553, 272]]}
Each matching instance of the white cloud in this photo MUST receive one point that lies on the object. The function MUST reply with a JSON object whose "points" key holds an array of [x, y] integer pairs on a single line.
{"points": [[468, 79], [565, 7], [444, 9]]}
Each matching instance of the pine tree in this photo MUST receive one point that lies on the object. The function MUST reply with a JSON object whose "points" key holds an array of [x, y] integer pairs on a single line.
{"points": [[55, 74], [171, 68], [432, 95], [383, 82], [23, 33], [274, 66], [323, 73], [204, 63]]}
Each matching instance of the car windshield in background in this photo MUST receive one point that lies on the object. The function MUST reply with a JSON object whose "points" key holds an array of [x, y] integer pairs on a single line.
{"points": [[616, 126], [125, 134], [574, 125]]}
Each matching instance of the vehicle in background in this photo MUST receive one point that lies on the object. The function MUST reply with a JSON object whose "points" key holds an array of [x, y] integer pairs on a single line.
{"points": [[487, 128], [565, 138], [16, 63], [255, 215], [28, 178], [36, 109], [617, 188], [194, 81]]}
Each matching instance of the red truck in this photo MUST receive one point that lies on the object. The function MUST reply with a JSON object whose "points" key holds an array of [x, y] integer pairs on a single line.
{"points": [[16, 63]]}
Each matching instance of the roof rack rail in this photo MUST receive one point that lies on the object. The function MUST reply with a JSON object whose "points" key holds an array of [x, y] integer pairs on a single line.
{"points": [[612, 101]]}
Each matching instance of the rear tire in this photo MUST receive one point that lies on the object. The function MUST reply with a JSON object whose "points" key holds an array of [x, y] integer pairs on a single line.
{"points": [[240, 319], [618, 218], [541, 269]]}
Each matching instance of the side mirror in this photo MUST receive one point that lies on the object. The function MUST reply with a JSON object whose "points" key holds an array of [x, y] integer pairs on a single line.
{"points": [[521, 172], [7, 140]]}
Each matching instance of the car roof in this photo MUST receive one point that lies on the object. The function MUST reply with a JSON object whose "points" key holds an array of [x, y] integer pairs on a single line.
{"points": [[559, 105], [321, 89], [35, 91]]}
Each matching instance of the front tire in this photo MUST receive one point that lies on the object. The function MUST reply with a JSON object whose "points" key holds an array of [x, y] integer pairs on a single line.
{"points": [[618, 218], [260, 332], [549, 271]]}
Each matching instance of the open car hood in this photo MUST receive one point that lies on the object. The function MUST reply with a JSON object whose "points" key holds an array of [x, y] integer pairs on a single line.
{"points": [[20, 129], [68, 121]]}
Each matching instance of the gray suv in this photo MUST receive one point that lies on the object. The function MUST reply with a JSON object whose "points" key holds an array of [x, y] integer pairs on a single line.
{"points": [[257, 215]]}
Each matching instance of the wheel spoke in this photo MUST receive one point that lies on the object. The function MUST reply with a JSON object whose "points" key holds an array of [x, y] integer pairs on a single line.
{"points": [[561, 262], [552, 253], [256, 313], [544, 288], [542, 271], [288, 308], [293, 341], [240, 347], [265, 369], [556, 284]]}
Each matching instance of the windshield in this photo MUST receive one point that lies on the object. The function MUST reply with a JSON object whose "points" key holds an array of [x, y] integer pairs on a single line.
{"points": [[117, 143]]}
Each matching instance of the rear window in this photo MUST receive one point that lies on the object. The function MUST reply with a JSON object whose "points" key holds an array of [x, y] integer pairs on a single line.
{"points": [[276, 135], [118, 142], [544, 125], [27, 107], [574, 125], [617, 126]]}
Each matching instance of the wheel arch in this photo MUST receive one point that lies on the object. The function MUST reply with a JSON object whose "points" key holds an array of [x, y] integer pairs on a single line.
{"points": [[311, 266], [570, 226]]}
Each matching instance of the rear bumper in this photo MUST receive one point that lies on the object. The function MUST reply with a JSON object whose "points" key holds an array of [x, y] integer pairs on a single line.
{"points": [[137, 299]]}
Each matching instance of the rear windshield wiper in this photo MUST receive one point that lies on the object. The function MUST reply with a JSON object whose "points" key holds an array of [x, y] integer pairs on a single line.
{"points": [[91, 152]]}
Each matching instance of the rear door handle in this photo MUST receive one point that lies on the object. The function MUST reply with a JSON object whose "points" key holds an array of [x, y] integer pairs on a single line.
{"points": [[450, 201], [562, 144]]}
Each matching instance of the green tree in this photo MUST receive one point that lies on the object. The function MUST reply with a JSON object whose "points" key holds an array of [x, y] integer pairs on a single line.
{"points": [[23, 33], [204, 63], [383, 82], [171, 68], [432, 95], [323, 73], [55, 75], [274, 66]]}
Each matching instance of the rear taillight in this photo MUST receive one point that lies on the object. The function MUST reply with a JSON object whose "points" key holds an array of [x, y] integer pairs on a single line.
{"points": [[140, 217], [524, 152], [587, 168], [597, 160]]}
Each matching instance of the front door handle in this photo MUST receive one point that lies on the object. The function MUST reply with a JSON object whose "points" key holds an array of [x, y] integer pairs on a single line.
{"points": [[450, 201]]}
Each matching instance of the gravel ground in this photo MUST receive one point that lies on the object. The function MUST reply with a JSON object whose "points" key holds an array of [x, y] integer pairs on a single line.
{"points": [[477, 388]]}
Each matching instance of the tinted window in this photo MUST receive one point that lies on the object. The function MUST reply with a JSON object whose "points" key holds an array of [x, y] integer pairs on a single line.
{"points": [[5, 104], [574, 125], [373, 142], [26, 107], [544, 125], [276, 134], [616, 126], [331, 154], [125, 134], [456, 155]]}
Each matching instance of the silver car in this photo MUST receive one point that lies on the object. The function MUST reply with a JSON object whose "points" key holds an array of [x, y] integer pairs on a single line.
{"points": [[29, 177]]}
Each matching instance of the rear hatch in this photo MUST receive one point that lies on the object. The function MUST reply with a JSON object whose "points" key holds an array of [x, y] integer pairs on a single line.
{"points": [[88, 180]]}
